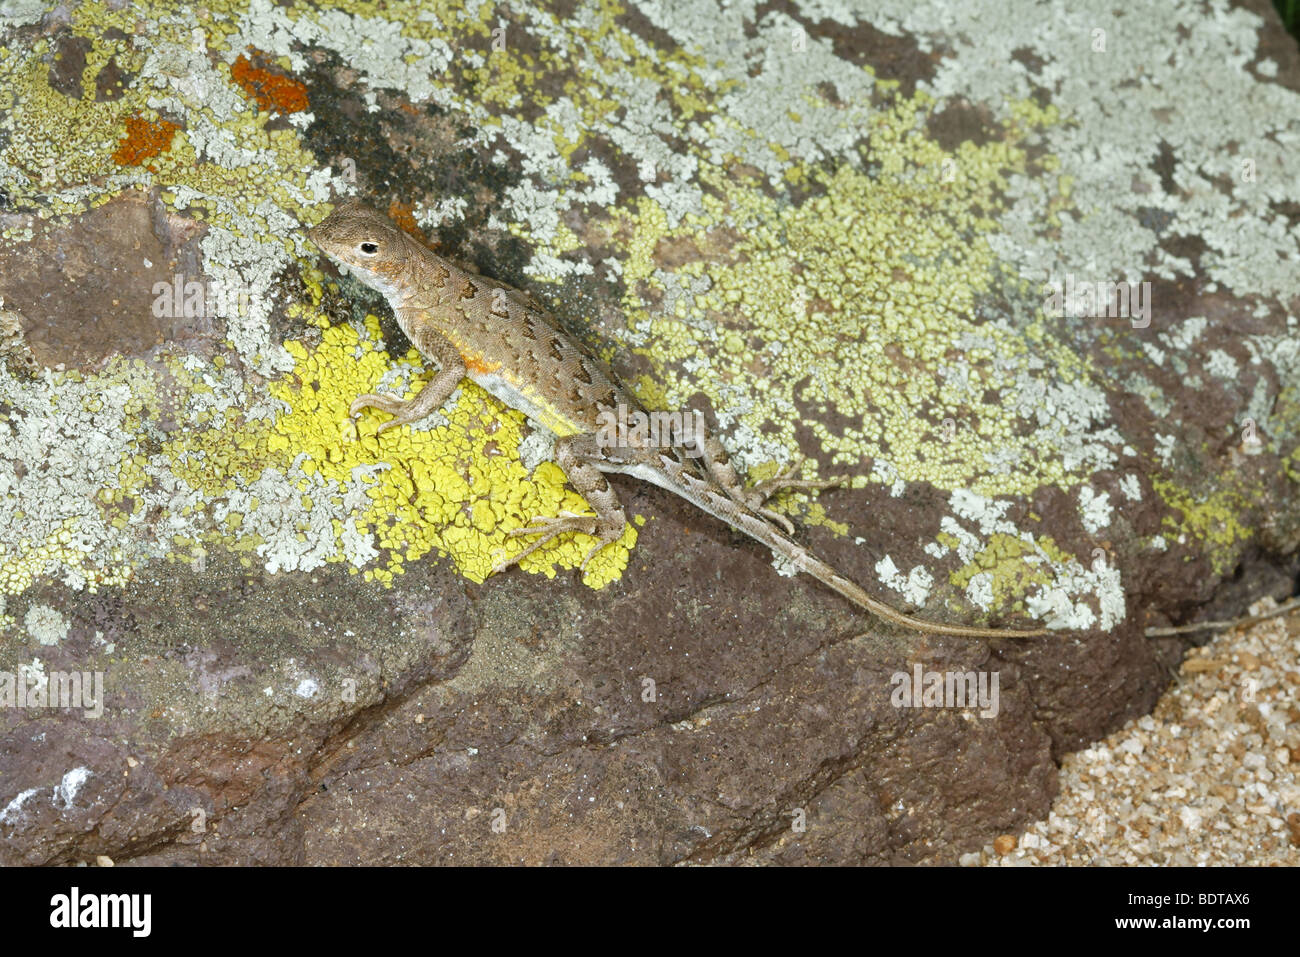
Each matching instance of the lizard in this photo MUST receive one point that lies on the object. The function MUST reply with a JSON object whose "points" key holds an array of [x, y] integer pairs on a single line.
{"points": [[501, 339]]}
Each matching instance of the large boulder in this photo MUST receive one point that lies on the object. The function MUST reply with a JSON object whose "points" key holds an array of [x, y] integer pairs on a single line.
{"points": [[1027, 274]]}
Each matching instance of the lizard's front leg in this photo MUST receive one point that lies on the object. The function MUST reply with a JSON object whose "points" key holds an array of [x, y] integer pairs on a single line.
{"points": [[451, 370], [575, 455]]}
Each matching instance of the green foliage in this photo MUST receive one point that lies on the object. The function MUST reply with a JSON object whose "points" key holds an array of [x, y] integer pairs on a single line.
{"points": [[1289, 11]]}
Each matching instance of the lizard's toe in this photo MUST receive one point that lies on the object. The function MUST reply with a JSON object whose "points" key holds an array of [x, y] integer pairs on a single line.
{"points": [[555, 524], [591, 553], [786, 481], [778, 518], [384, 403]]}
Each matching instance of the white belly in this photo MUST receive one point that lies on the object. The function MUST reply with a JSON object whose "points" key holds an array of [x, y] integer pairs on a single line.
{"points": [[528, 404]]}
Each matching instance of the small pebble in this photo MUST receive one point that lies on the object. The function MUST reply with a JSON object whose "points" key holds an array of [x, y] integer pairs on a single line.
{"points": [[1210, 777]]}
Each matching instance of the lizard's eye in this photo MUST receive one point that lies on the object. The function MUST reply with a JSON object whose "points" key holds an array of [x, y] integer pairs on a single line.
{"points": [[369, 249]]}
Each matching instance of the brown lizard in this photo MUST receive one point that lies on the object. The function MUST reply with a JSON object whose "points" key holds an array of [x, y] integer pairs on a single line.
{"points": [[499, 338]]}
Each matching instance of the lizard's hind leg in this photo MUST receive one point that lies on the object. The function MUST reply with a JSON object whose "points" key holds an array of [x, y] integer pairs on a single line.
{"points": [[589, 482], [723, 474]]}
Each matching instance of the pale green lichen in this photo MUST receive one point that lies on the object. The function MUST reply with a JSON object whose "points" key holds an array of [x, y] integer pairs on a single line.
{"points": [[1213, 518], [881, 300], [45, 625]]}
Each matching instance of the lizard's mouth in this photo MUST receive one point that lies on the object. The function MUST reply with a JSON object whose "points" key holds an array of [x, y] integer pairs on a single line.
{"points": [[341, 264], [320, 239]]}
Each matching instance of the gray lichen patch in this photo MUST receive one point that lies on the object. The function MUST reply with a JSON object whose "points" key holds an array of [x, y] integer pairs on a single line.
{"points": [[1124, 109], [14, 352]]}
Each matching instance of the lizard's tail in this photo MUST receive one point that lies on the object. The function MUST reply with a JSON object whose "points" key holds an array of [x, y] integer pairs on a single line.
{"points": [[704, 496], [805, 561]]}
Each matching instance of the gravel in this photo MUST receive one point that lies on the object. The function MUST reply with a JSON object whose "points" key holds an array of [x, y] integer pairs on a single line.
{"points": [[1210, 777]]}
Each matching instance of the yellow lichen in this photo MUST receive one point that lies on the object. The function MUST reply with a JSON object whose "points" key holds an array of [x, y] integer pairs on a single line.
{"points": [[1214, 519], [855, 301], [1013, 565], [456, 489]]}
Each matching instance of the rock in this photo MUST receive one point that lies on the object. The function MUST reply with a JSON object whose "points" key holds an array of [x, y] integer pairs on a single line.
{"points": [[863, 238]]}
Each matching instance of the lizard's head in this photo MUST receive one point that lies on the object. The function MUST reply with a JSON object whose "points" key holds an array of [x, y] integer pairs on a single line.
{"points": [[365, 241]]}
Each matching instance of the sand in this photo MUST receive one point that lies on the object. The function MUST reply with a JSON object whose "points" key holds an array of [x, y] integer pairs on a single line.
{"points": [[1210, 777]]}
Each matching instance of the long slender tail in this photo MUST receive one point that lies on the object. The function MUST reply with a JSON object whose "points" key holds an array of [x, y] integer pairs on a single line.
{"points": [[668, 473], [807, 562]]}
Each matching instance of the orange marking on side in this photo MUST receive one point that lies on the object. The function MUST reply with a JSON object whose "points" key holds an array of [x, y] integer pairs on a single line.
{"points": [[474, 364]]}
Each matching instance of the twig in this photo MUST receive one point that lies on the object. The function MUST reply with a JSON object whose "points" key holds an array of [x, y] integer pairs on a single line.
{"points": [[1281, 609]]}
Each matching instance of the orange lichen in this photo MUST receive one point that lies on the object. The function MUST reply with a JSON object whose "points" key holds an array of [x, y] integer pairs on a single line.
{"points": [[403, 215], [143, 139], [271, 91]]}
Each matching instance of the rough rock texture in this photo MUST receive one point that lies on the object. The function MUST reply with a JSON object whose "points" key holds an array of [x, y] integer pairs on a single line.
{"points": [[830, 226]]}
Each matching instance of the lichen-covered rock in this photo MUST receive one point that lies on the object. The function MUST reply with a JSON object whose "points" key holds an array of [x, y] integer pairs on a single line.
{"points": [[893, 239]]}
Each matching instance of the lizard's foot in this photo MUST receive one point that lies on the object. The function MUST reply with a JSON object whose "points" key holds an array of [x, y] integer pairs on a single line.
{"points": [[551, 526], [371, 400], [757, 495], [765, 489], [548, 527], [399, 409], [718, 469]]}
